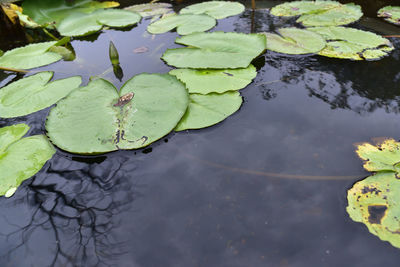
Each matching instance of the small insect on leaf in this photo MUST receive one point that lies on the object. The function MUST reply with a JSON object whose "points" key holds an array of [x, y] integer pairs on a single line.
{"points": [[125, 99]]}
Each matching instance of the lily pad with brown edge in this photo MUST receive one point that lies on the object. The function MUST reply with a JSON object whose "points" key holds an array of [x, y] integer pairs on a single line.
{"points": [[350, 43], [216, 50], [215, 9], [295, 41], [390, 14], [207, 110], [375, 202], [184, 24], [215, 81], [21, 158], [319, 13], [98, 119]]}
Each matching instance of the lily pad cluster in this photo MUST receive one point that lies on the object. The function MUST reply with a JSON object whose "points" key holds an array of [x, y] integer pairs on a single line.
{"points": [[324, 18], [390, 14], [375, 200], [196, 18]]}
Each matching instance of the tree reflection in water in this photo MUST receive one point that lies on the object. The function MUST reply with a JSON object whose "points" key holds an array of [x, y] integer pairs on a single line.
{"points": [[73, 207]]}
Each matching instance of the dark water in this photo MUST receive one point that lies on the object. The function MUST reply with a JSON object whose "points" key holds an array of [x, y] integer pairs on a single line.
{"points": [[266, 187]]}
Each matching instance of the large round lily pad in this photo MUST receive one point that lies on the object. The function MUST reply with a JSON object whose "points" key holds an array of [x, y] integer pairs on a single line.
{"points": [[80, 24], [34, 93], [374, 202], [20, 159], [184, 24], [295, 41], [151, 9], [215, 9], [30, 56], [98, 119], [390, 14], [216, 50], [208, 110], [319, 13], [215, 81], [351, 43]]}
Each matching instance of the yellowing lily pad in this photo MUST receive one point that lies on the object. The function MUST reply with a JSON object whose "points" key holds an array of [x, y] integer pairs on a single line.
{"points": [[390, 14], [295, 41], [20, 158]]}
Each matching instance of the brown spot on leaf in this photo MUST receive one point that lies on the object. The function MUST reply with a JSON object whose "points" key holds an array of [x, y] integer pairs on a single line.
{"points": [[125, 99], [371, 189], [376, 213]]}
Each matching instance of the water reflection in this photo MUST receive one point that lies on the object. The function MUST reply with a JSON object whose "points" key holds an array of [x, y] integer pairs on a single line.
{"points": [[70, 213]]}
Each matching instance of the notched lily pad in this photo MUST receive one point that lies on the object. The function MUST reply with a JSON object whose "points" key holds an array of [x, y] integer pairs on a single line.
{"points": [[151, 9], [390, 14], [295, 41], [218, 50], [30, 56], [215, 9], [20, 158], [349, 43], [34, 93], [184, 24], [319, 13], [98, 119], [374, 202], [207, 110], [215, 81]]}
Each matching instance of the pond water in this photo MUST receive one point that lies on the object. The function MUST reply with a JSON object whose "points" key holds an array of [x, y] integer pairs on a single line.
{"points": [[266, 187]]}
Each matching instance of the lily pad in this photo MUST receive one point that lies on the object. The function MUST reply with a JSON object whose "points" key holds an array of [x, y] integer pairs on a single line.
{"points": [[319, 13], [215, 9], [21, 158], [151, 9], [53, 11], [30, 56], [207, 110], [184, 24], [349, 43], [218, 81], [34, 93], [295, 41], [98, 119], [80, 24], [390, 14], [216, 50], [374, 202]]}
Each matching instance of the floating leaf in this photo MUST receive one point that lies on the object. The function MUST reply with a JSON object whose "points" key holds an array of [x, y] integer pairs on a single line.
{"points": [[374, 201], [295, 41], [80, 24], [216, 50], [20, 159], [215, 9], [218, 81], [184, 24], [34, 93], [151, 9], [390, 14], [30, 56], [97, 119], [207, 110], [351, 43], [53, 11], [319, 13]]}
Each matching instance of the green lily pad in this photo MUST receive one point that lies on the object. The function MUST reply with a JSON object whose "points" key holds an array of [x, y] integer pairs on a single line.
{"points": [[215, 81], [390, 14], [215, 9], [53, 11], [30, 56], [295, 41], [80, 24], [319, 13], [98, 119], [184, 24], [34, 93], [349, 43], [374, 202], [151, 9], [207, 110], [21, 158], [216, 50]]}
